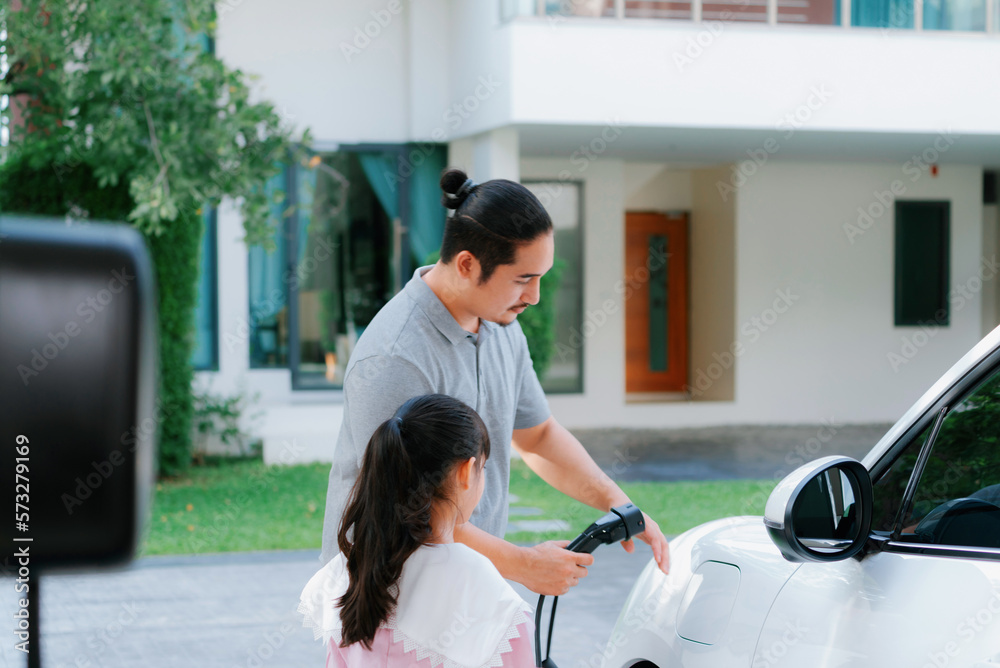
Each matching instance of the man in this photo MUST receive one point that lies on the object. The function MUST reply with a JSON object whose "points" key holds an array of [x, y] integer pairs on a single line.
{"points": [[453, 330]]}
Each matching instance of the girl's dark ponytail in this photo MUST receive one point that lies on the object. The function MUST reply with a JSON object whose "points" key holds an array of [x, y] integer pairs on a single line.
{"points": [[403, 471]]}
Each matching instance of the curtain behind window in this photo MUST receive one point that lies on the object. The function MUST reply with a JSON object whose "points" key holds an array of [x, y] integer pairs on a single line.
{"points": [[204, 356], [427, 215]]}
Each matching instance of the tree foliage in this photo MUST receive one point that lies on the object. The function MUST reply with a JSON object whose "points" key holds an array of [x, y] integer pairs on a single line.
{"points": [[129, 91], [539, 321], [127, 114]]}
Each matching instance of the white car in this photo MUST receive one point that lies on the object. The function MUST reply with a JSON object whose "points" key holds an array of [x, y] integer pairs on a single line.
{"points": [[893, 561]]}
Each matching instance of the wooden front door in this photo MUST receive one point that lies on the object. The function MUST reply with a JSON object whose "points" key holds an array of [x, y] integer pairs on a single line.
{"points": [[656, 316]]}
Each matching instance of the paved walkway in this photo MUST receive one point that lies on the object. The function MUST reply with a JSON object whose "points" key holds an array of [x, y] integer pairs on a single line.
{"points": [[238, 610]]}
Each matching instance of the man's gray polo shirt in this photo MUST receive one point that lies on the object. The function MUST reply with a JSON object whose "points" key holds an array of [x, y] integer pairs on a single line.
{"points": [[414, 346]]}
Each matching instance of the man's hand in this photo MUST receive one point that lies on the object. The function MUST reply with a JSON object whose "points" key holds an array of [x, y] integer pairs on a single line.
{"points": [[656, 540], [560, 460], [550, 569]]}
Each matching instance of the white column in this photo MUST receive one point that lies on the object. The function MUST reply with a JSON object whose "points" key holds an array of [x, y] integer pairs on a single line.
{"points": [[460, 154], [991, 292], [496, 155], [234, 296], [428, 61]]}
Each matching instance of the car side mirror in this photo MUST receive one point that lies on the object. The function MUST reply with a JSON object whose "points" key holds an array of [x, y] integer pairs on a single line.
{"points": [[78, 418], [822, 511]]}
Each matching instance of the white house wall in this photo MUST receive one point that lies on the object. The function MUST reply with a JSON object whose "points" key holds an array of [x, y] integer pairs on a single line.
{"points": [[448, 71], [396, 70], [656, 187], [713, 365], [338, 68], [829, 354], [826, 356], [379, 71], [479, 96], [646, 73], [603, 402], [429, 64]]}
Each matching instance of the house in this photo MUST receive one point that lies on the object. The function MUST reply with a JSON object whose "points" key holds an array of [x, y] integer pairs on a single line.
{"points": [[769, 211]]}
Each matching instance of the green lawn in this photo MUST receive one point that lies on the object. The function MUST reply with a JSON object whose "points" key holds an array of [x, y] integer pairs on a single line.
{"points": [[243, 505], [238, 506], [676, 506]]}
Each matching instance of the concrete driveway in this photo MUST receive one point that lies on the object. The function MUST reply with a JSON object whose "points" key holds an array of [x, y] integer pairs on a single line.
{"points": [[238, 610]]}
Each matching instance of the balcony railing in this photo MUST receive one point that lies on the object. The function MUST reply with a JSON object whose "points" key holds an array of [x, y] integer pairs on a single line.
{"points": [[954, 15]]}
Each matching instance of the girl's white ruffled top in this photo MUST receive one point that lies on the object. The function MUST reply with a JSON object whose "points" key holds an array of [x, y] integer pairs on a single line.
{"points": [[454, 609]]}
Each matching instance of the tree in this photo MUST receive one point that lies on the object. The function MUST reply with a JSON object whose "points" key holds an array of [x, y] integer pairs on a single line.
{"points": [[127, 115]]}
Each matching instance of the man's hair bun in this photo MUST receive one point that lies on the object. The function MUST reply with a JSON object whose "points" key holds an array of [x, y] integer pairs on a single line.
{"points": [[456, 185], [492, 219]]}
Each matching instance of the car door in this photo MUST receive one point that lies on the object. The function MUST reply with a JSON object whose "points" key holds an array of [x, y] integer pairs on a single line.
{"points": [[926, 591]]}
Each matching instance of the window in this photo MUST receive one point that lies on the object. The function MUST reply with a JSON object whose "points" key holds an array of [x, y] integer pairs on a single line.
{"points": [[365, 217], [956, 500], [348, 217], [563, 200], [268, 285], [921, 272], [955, 15], [809, 12], [890, 489], [350, 226], [205, 355], [881, 13], [672, 9], [513, 8], [727, 10]]}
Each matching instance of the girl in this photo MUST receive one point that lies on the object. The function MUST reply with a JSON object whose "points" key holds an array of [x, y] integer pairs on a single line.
{"points": [[402, 592]]}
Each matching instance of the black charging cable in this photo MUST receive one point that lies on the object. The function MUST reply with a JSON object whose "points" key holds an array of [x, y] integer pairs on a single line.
{"points": [[622, 523]]}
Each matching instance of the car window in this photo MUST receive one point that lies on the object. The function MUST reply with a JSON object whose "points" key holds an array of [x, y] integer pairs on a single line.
{"points": [[957, 498], [888, 490]]}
